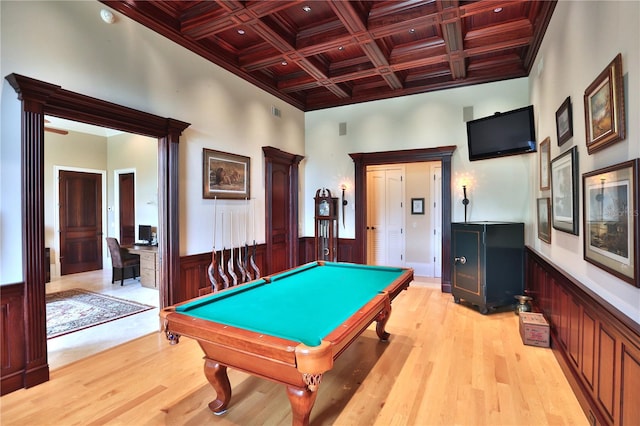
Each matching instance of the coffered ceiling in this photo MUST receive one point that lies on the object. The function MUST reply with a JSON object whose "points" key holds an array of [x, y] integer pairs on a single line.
{"points": [[317, 54]]}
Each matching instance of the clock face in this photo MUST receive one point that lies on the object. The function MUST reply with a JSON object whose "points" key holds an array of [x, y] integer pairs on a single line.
{"points": [[323, 208]]}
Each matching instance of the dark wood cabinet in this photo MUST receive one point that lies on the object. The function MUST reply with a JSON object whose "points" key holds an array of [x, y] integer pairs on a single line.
{"points": [[488, 263]]}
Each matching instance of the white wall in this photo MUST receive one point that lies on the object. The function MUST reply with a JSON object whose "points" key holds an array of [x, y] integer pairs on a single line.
{"points": [[130, 65], [422, 121], [582, 39]]}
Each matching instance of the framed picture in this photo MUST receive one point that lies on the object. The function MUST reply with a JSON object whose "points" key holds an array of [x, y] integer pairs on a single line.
{"points": [[225, 175], [564, 121], [611, 220], [604, 108], [545, 161], [544, 219], [564, 191], [417, 206]]}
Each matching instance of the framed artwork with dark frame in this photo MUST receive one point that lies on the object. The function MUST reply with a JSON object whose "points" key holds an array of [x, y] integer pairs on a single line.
{"points": [[417, 206], [564, 191], [564, 122], [544, 219], [604, 108], [545, 162], [611, 240], [225, 176]]}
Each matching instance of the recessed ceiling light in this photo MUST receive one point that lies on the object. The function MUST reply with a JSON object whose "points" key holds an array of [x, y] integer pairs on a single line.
{"points": [[497, 10], [341, 48], [241, 32], [284, 63], [412, 30], [306, 9]]}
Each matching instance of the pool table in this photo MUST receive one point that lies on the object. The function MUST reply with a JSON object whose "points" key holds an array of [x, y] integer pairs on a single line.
{"points": [[287, 327]]}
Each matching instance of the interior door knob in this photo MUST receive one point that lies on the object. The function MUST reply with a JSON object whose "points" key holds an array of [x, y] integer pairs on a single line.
{"points": [[460, 259]]}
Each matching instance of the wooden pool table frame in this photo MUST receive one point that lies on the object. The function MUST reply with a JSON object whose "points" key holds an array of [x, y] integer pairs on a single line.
{"points": [[298, 366]]}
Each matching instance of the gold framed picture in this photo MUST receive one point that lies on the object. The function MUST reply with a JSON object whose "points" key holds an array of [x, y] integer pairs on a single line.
{"points": [[604, 108], [225, 175]]}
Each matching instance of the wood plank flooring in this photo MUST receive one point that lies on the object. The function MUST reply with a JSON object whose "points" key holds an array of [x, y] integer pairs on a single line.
{"points": [[444, 364]]}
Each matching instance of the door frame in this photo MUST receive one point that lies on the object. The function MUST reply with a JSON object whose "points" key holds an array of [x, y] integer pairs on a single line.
{"points": [[37, 99], [56, 206], [362, 160], [116, 194]]}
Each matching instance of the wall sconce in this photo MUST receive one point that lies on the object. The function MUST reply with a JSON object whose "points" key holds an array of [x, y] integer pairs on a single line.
{"points": [[465, 201], [344, 203]]}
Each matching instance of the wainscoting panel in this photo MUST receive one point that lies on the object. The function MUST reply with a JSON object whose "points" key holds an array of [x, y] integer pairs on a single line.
{"points": [[12, 346], [596, 345]]}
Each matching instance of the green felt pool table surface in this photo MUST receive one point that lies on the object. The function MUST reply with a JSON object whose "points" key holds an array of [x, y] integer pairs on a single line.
{"points": [[303, 304]]}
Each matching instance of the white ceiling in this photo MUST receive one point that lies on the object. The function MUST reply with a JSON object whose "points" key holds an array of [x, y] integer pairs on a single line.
{"points": [[74, 126]]}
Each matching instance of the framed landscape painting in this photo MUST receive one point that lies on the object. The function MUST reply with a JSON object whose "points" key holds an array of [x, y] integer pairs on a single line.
{"points": [[611, 220], [225, 175], [545, 161], [564, 191], [604, 108], [544, 219], [564, 122]]}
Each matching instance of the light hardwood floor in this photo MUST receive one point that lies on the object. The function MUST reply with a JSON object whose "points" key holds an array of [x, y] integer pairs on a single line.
{"points": [[445, 364]]}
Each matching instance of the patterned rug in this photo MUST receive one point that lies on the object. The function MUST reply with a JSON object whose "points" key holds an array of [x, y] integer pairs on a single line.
{"points": [[76, 309]]}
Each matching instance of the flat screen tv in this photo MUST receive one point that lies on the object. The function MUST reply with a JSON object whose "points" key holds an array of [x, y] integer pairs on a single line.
{"points": [[502, 134]]}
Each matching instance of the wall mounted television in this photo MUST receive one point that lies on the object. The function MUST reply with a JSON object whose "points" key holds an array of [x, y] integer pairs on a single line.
{"points": [[502, 134]]}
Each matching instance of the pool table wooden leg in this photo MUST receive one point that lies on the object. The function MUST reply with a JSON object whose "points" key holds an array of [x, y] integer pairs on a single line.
{"points": [[302, 400], [381, 321], [216, 373]]}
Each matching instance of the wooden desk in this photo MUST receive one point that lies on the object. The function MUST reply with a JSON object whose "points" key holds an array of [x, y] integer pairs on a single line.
{"points": [[149, 276]]}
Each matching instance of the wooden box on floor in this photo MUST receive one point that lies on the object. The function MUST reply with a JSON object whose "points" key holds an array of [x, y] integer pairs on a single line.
{"points": [[534, 329]]}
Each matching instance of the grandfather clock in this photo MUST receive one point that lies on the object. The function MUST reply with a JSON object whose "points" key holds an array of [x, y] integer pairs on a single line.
{"points": [[326, 218]]}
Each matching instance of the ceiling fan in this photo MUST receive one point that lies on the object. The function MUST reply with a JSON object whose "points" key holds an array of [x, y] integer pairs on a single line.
{"points": [[53, 130]]}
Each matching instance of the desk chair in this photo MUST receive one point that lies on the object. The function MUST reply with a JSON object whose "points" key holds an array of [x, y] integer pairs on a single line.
{"points": [[121, 259]]}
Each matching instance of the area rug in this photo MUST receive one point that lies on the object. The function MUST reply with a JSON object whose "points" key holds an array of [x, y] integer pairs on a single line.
{"points": [[76, 309]]}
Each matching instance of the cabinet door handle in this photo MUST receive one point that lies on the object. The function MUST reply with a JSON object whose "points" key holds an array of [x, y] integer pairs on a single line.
{"points": [[461, 260]]}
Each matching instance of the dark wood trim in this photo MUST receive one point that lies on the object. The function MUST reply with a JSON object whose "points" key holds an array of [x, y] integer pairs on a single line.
{"points": [[362, 160], [307, 250], [596, 345], [37, 100]]}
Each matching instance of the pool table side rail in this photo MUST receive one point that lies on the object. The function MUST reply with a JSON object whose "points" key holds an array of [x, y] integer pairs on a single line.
{"points": [[227, 335]]}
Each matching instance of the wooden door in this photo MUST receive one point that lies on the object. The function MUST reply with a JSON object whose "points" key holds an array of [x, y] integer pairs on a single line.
{"points": [[80, 222], [281, 209], [127, 208]]}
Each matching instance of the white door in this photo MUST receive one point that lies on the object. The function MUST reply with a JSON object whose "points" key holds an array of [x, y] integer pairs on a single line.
{"points": [[385, 216], [436, 219]]}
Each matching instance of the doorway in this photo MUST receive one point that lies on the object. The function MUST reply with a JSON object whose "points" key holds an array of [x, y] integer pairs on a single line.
{"points": [[363, 160], [37, 99]]}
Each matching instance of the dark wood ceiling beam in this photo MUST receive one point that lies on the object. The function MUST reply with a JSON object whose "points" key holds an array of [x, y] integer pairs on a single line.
{"points": [[451, 27], [352, 20], [209, 18], [480, 7], [419, 62]]}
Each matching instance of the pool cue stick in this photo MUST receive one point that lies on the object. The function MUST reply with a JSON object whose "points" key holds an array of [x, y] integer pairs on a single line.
{"points": [[245, 260], [230, 269], [239, 259], [211, 270], [221, 272], [253, 255]]}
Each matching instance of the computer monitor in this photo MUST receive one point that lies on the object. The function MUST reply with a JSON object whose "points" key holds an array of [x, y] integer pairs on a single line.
{"points": [[144, 233]]}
